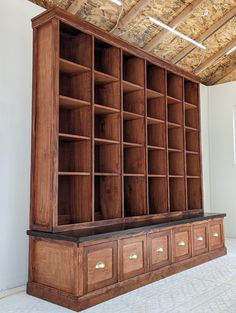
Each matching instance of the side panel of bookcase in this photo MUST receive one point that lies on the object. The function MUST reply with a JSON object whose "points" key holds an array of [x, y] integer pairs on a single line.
{"points": [[44, 127]]}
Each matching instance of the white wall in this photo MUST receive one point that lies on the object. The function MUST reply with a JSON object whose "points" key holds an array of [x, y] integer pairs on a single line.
{"points": [[15, 123], [221, 99]]}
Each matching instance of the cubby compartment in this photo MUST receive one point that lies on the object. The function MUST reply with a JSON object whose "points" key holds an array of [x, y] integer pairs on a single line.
{"points": [[177, 194], [107, 126], [155, 79], [191, 92], [134, 160], [192, 140], [107, 158], [157, 195], [74, 199], [133, 69], [134, 196], [174, 86], [175, 113], [176, 163], [73, 44], [107, 94], [106, 58], [134, 131], [75, 87], [191, 118], [156, 162], [193, 164], [157, 135], [107, 198], [75, 121], [175, 138], [156, 108], [74, 156], [134, 102], [194, 193]]}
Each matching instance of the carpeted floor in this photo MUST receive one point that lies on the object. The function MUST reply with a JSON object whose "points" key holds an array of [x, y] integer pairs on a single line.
{"points": [[210, 287]]}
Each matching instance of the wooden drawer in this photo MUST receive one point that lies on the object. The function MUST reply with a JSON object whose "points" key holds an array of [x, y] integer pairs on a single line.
{"points": [[200, 238], [133, 260], [181, 243], [100, 266], [216, 234], [159, 246]]}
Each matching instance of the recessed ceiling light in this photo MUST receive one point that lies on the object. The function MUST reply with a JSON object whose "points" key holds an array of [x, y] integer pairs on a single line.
{"points": [[117, 2], [159, 23], [231, 50]]}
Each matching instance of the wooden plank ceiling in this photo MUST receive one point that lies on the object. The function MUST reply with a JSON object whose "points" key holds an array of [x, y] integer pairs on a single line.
{"points": [[211, 22]]}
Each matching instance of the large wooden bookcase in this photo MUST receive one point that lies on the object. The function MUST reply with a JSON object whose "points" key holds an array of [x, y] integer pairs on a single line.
{"points": [[115, 135]]}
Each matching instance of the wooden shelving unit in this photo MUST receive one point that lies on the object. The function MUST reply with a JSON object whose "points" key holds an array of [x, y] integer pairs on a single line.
{"points": [[127, 138]]}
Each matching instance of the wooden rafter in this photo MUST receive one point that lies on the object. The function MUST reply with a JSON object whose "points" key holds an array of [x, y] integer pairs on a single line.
{"points": [[216, 78], [174, 23], [133, 12], [215, 57], [227, 17], [75, 6]]}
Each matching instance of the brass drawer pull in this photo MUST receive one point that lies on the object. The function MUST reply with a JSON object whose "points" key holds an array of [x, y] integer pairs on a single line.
{"points": [[181, 243], [216, 235], [100, 265], [160, 250], [133, 257], [200, 238]]}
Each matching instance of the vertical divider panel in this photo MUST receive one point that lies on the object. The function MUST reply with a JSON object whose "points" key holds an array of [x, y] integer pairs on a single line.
{"points": [[184, 145], [146, 136], [121, 134], [167, 145], [92, 131], [200, 142]]}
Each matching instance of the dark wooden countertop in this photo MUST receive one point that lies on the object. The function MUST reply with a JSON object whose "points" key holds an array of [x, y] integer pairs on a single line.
{"points": [[97, 233]]}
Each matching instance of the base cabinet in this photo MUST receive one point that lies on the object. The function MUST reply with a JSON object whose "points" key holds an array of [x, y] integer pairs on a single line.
{"points": [[79, 275]]}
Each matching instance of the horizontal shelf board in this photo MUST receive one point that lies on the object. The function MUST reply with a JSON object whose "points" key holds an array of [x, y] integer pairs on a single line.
{"points": [[133, 175], [69, 67], [173, 125], [150, 147], [72, 103], [127, 116], [190, 106], [176, 176], [152, 94], [132, 144], [101, 78], [152, 121], [193, 177], [130, 87], [157, 175], [71, 137], [174, 150], [101, 141], [106, 174], [190, 129], [191, 152], [74, 173], [103, 109], [172, 100]]}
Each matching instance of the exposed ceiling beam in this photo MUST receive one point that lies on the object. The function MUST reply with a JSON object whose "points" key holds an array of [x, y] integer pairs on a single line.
{"points": [[75, 6], [174, 23], [227, 17], [133, 12], [215, 57], [216, 78]]}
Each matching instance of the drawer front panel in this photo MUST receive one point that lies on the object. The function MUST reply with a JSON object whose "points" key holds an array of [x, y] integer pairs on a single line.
{"points": [[181, 243], [216, 234], [159, 249], [200, 238], [101, 266], [132, 257]]}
